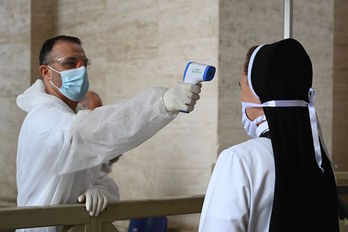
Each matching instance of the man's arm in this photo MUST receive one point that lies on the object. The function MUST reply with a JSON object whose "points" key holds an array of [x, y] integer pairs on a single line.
{"points": [[106, 132]]}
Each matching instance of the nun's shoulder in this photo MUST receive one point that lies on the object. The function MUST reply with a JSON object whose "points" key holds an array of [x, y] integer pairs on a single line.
{"points": [[258, 148]]}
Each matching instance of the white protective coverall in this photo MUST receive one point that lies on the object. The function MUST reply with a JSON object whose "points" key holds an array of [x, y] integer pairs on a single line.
{"points": [[60, 152], [240, 192]]}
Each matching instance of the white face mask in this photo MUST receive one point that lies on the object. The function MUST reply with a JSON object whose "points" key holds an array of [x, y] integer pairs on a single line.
{"points": [[250, 126]]}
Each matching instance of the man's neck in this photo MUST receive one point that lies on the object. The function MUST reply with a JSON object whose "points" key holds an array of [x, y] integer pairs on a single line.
{"points": [[51, 90]]}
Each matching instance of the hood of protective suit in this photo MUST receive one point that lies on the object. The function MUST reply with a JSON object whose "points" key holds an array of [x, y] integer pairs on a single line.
{"points": [[35, 95]]}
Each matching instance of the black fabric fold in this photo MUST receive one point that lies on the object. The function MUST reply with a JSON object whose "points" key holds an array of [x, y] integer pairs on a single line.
{"points": [[266, 135]]}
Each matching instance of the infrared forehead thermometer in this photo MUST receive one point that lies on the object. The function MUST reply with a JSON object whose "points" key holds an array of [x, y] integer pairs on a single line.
{"points": [[196, 73]]}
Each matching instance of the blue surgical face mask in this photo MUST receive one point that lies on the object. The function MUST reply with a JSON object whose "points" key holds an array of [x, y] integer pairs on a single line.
{"points": [[74, 83]]}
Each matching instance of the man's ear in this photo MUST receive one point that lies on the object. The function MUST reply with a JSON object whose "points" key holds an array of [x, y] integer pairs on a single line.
{"points": [[45, 72]]}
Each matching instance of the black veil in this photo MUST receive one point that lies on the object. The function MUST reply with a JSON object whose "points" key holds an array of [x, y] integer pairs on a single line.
{"points": [[304, 197]]}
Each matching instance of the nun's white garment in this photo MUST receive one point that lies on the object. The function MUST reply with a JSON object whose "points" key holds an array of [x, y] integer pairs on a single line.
{"points": [[240, 192], [60, 153]]}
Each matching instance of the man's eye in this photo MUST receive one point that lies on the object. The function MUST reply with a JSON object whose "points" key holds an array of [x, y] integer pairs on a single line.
{"points": [[68, 65], [70, 62]]}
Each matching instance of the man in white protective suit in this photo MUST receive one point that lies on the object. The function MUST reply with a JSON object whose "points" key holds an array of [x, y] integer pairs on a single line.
{"points": [[60, 152]]}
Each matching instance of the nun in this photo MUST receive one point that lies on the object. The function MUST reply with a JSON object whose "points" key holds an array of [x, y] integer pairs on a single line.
{"points": [[281, 180]]}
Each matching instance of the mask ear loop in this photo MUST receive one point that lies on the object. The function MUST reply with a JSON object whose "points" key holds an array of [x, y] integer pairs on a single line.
{"points": [[53, 69], [51, 81]]}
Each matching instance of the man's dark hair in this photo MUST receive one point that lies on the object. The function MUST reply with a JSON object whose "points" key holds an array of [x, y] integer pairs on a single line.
{"points": [[48, 45]]}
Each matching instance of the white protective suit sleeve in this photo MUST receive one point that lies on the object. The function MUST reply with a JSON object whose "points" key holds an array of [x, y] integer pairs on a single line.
{"points": [[226, 203], [108, 186], [102, 134]]}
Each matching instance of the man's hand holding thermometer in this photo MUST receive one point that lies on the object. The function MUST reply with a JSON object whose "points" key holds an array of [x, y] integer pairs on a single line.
{"points": [[183, 96]]}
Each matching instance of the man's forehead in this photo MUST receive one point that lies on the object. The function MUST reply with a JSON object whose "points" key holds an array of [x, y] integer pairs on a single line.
{"points": [[67, 48]]}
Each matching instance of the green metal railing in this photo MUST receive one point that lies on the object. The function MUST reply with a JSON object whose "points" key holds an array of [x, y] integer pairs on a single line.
{"points": [[75, 218], [341, 176]]}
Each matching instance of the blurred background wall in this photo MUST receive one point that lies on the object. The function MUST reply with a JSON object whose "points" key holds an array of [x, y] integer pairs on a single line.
{"points": [[243, 24], [134, 45], [15, 53]]}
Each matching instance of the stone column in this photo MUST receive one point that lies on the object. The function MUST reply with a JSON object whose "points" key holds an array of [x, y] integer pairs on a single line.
{"points": [[340, 86], [43, 26], [135, 45], [15, 77]]}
